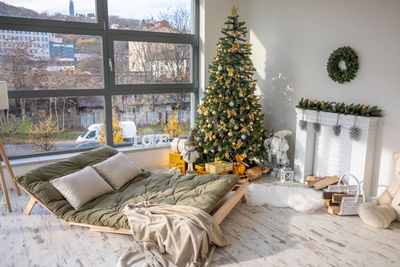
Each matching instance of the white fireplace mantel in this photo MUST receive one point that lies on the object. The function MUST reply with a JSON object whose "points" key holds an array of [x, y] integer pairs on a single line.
{"points": [[358, 155]]}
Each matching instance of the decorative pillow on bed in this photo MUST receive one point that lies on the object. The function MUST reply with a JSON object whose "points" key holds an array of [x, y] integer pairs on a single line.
{"points": [[80, 187], [117, 170]]}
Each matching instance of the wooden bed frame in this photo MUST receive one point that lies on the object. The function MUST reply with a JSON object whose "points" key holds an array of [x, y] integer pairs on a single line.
{"points": [[239, 191]]}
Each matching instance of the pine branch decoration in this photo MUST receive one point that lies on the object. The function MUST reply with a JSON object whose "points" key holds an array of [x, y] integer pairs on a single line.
{"points": [[342, 108]]}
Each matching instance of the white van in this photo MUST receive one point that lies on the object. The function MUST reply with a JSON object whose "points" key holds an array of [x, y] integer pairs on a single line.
{"points": [[93, 132]]}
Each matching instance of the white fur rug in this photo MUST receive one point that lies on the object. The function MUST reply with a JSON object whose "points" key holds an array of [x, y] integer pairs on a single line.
{"points": [[297, 197]]}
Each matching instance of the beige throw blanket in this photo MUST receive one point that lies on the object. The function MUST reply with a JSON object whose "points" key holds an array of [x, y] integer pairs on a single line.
{"points": [[168, 235]]}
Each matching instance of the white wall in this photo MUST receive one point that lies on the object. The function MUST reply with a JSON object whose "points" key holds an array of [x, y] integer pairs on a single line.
{"points": [[213, 14], [292, 41]]}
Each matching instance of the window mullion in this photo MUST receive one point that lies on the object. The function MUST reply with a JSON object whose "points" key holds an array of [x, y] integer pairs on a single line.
{"points": [[107, 55]]}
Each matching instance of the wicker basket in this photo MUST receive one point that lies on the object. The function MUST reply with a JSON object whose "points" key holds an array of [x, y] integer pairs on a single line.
{"points": [[348, 205]]}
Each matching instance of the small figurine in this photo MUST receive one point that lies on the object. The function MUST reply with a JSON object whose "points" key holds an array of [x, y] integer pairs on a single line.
{"points": [[189, 153], [277, 146]]}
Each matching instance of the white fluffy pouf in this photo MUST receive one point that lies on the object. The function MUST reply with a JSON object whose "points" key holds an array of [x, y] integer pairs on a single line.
{"points": [[297, 197]]}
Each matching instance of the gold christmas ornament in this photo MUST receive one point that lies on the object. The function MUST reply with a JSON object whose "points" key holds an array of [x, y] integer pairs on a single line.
{"points": [[230, 71], [208, 136], [230, 134], [239, 144], [235, 47]]}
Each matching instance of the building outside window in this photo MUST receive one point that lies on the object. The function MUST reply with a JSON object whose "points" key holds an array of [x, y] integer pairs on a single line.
{"points": [[101, 75]]}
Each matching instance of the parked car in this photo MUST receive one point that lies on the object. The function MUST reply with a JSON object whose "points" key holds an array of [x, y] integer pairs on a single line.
{"points": [[93, 132]]}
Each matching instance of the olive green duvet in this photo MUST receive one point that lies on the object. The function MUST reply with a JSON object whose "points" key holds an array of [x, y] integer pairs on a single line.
{"points": [[203, 191]]}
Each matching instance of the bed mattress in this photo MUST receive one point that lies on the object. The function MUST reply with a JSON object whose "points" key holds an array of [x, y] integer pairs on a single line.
{"points": [[200, 191]]}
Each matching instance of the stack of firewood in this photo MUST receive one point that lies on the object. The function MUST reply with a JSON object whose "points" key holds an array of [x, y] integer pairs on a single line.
{"points": [[332, 199], [320, 183]]}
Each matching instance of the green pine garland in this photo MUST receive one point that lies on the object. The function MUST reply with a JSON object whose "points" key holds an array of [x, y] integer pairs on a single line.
{"points": [[350, 58], [342, 108], [229, 121]]}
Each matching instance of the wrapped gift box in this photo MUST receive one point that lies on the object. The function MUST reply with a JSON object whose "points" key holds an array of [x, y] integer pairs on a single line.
{"points": [[239, 169], [200, 167], [219, 167], [175, 160]]}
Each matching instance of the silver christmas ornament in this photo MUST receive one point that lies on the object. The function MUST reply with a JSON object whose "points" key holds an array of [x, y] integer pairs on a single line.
{"points": [[231, 104], [355, 133], [317, 127], [243, 136], [219, 68], [337, 129], [303, 124], [212, 151]]}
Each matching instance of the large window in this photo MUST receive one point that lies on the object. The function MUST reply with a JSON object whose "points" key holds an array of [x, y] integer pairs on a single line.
{"points": [[81, 74]]}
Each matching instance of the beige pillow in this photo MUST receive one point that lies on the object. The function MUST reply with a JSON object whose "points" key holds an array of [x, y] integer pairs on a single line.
{"points": [[80, 187], [117, 170]]}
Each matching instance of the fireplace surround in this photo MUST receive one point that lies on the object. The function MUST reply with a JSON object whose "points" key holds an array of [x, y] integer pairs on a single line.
{"points": [[324, 154]]}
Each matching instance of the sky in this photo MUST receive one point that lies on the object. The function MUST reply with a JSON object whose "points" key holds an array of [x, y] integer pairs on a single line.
{"points": [[137, 9]]}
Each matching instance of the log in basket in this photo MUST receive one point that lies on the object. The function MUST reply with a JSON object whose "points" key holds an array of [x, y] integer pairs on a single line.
{"points": [[349, 204]]}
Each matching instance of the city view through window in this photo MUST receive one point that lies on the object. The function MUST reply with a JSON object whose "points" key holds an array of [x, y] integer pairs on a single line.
{"points": [[49, 62]]}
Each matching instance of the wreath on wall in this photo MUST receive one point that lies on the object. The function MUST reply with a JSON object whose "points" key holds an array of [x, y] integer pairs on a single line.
{"points": [[350, 59]]}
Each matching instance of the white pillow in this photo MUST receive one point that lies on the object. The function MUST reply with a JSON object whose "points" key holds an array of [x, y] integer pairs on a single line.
{"points": [[117, 170], [80, 187]]}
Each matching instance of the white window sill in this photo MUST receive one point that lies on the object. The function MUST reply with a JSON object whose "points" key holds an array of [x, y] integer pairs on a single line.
{"points": [[51, 158]]}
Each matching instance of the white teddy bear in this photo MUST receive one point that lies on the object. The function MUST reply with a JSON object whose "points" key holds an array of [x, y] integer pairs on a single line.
{"points": [[388, 208]]}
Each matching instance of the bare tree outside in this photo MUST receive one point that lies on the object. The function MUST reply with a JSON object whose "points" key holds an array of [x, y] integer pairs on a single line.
{"points": [[179, 18]]}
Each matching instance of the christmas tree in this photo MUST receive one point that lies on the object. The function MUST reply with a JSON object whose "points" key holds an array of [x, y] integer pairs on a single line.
{"points": [[229, 121]]}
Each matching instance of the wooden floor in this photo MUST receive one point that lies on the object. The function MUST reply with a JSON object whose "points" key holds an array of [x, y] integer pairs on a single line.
{"points": [[259, 236]]}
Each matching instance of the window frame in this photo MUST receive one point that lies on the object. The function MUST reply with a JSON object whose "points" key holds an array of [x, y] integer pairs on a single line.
{"points": [[108, 36]]}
